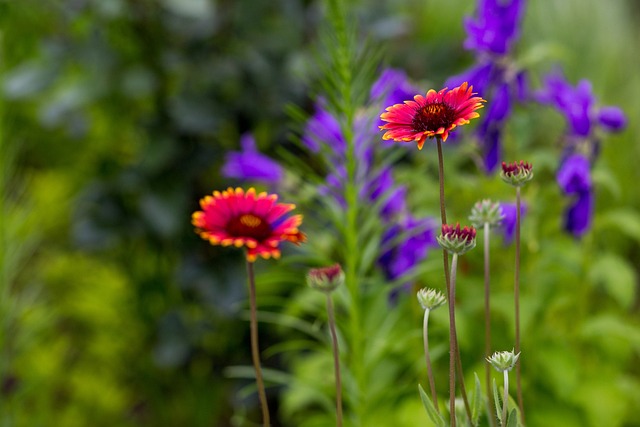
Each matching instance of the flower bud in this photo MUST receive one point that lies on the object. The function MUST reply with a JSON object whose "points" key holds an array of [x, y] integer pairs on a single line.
{"points": [[503, 360], [430, 299], [516, 173], [485, 212], [325, 279], [457, 240]]}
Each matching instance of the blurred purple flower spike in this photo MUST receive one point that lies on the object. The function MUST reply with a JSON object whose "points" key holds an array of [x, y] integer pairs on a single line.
{"points": [[251, 165], [496, 26]]}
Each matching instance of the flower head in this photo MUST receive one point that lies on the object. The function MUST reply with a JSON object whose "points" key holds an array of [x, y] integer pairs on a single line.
{"points": [[516, 173], [430, 299], [250, 164], [485, 212], [326, 279], [574, 176], [255, 221], [430, 116], [457, 240], [503, 360]]}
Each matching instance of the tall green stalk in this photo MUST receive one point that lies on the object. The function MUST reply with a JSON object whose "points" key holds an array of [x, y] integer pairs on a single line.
{"points": [[487, 322], [343, 58], [455, 362], [516, 294], [255, 354]]}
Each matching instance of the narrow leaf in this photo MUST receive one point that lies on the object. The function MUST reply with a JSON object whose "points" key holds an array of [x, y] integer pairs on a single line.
{"points": [[513, 419], [496, 400], [476, 401], [437, 419]]}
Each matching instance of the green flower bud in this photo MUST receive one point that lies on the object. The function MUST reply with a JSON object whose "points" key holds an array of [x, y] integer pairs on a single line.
{"points": [[516, 173], [485, 212], [325, 279], [430, 299], [503, 360]]}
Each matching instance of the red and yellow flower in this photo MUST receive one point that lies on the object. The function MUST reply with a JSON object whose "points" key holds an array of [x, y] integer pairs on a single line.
{"points": [[431, 116], [246, 219]]}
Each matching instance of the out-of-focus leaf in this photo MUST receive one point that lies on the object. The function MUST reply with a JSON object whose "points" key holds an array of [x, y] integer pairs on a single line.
{"points": [[431, 410], [616, 276]]}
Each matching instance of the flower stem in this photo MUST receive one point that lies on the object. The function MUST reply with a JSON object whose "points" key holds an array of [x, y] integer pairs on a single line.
{"points": [[432, 382], [254, 346], [453, 342], [454, 361], [336, 359], [487, 323], [505, 399], [516, 294]]}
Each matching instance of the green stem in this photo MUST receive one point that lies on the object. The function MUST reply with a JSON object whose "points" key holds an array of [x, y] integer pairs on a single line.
{"points": [[336, 360], [254, 346], [487, 323], [432, 382], [453, 342], [457, 362], [516, 294], [505, 399]]}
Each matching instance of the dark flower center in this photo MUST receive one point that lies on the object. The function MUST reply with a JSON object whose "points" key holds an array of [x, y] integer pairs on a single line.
{"points": [[249, 225], [433, 117]]}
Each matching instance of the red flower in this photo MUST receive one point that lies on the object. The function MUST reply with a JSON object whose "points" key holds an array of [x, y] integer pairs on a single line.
{"points": [[256, 221], [432, 116], [516, 173]]}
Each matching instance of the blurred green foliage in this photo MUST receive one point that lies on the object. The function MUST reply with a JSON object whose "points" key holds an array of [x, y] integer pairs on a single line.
{"points": [[116, 116]]}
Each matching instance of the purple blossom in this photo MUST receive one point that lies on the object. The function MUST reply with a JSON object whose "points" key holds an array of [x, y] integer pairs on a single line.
{"points": [[392, 87], [402, 256], [250, 165], [479, 76], [574, 175], [612, 119], [323, 130], [575, 103], [393, 197], [579, 214], [496, 26], [508, 225]]}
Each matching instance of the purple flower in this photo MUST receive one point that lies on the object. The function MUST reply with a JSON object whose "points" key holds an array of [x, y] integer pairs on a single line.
{"points": [[612, 119], [323, 130], [479, 76], [250, 165], [393, 198], [574, 175], [578, 216], [508, 225], [490, 129], [496, 26], [402, 256], [392, 87], [575, 103]]}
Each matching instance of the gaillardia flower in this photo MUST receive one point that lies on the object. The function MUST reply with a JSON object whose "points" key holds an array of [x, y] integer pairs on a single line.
{"points": [[430, 116], [255, 221]]}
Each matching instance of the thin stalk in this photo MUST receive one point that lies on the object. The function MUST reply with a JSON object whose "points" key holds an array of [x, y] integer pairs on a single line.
{"points": [[453, 342], [455, 361], [432, 382], [336, 360], [254, 347], [487, 324], [505, 399], [516, 294]]}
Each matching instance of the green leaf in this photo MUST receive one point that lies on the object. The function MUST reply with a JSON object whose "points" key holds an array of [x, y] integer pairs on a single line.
{"points": [[476, 401], [616, 276], [512, 419], [435, 416], [496, 400]]}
